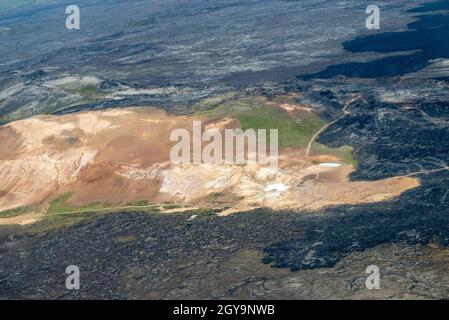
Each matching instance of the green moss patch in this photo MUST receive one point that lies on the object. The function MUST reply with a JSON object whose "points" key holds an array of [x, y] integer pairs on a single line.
{"points": [[254, 113], [345, 152], [15, 212]]}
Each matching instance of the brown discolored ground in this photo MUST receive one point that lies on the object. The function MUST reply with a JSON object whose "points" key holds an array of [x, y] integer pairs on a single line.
{"points": [[122, 156]]}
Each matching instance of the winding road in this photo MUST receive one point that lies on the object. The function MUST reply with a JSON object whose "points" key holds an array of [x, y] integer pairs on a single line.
{"points": [[315, 136]]}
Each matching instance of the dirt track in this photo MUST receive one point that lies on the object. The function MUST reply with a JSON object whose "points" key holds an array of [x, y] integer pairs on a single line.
{"points": [[121, 156]]}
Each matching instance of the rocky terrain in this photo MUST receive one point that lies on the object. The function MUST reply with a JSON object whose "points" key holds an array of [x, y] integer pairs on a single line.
{"points": [[383, 94], [129, 256], [316, 255], [170, 53], [119, 157]]}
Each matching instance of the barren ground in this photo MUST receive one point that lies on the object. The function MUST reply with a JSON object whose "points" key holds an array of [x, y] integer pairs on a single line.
{"points": [[120, 157]]}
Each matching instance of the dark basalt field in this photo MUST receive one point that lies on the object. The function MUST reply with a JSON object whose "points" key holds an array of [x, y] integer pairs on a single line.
{"points": [[398, 125], [424, 41], [169, 254]]}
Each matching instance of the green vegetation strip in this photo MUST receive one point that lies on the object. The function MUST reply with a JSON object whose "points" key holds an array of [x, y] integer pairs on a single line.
{"points": [[291, 133], [344, 152], [14, 212], [294, 132], [59, 206]]}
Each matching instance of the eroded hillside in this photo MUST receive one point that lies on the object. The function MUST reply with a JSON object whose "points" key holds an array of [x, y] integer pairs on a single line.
{"points": [[121, 158]]}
